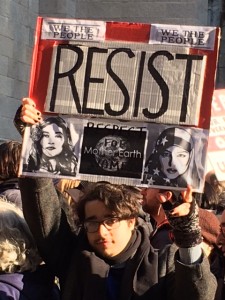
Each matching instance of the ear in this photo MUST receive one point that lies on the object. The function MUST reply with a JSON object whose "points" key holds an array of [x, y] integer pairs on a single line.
{"points": [[169, 195], [131, 223], [164, 196]]}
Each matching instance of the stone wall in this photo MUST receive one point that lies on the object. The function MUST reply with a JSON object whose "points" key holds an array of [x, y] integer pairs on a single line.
{"points": [[17, 24]]}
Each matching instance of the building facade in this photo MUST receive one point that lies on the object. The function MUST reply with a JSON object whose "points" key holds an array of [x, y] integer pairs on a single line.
{"points": [[18, 20]]}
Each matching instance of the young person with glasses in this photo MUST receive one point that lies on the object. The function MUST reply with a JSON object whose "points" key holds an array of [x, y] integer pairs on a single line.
{"points": [[111, 258]]}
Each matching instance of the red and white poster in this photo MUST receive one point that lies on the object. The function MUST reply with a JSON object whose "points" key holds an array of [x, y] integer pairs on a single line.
{"points": [[132, 72], [216, 146]]}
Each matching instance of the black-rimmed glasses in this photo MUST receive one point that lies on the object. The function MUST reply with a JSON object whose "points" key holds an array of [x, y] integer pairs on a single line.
{"points": [[111, 223]]}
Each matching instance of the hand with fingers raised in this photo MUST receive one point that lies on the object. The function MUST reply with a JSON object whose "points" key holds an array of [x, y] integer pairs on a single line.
{"points": [[27, 114], [182, 212]]}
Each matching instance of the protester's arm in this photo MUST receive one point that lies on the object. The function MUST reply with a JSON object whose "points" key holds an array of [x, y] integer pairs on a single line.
{"points": [[46, 219], [192, 270], [192, 281], [183, 217], [41, 206]]}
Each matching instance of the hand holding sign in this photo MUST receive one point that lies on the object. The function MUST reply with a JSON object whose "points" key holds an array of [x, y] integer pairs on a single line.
{"points": [[52, 149], [176, 203], [29, 113], [183, 218]]}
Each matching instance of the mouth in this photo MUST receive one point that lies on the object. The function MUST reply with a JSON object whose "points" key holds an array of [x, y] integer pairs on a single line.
{"points": [[50, 148], [102, 242], [171, 171]]}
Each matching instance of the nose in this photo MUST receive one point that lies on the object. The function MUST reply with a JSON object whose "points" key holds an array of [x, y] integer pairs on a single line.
{"points": [[171, 160], [102, 230], [51, 140]]}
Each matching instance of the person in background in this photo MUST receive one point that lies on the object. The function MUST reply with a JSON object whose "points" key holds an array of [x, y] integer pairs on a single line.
{"points": [[22, 276], [219, 187], [209, 198], [210, 229], [143, 217], [213, 197], [10, 152], [161, 234]]}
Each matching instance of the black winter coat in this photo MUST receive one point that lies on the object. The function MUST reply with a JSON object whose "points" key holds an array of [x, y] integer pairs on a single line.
{"points": [[148, 275]]}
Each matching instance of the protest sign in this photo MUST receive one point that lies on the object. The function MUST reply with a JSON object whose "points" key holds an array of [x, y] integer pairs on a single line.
{"points": [[143, 154], [92, 79], [144, 72], [216, 145], [123, 89]]}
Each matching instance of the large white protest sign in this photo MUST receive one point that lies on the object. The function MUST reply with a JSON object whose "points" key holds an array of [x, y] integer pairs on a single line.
{"points": [[122, 70], [126, 81], [106, 74]]}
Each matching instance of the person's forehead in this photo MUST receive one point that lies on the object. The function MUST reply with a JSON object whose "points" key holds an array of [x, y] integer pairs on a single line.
{"points": [[96, 209]]}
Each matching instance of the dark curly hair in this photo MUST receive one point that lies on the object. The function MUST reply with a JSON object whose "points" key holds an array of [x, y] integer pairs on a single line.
{"points": [[117, 198]]}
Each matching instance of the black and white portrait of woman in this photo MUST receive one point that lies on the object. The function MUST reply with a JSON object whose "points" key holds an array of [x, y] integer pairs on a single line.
{"points": [[173, 160], [51, 148]]}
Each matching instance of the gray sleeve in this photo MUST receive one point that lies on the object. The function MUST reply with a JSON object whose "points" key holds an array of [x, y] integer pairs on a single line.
{"points": [[46, 219], [186, 281]]}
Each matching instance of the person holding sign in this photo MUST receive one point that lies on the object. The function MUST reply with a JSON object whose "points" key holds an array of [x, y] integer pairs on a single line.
{"points": [[111, 257], [51, 150], [171, 162]]}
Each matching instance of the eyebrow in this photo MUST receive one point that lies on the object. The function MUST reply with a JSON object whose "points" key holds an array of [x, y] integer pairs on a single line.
{"points": [[58, 132]]}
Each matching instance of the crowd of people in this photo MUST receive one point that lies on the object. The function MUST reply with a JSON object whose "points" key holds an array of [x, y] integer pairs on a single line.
{"points": [[69, 239]]}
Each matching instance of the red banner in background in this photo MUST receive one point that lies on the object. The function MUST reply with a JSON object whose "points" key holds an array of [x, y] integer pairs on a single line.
{"points": [[216, 146]]}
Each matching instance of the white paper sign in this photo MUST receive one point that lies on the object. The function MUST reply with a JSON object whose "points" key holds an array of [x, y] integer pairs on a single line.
{"points": [[73, 29], [185, 36], [137, 82]]}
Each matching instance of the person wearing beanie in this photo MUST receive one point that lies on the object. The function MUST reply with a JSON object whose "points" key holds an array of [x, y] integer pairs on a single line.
{"points": [[210, 229]]}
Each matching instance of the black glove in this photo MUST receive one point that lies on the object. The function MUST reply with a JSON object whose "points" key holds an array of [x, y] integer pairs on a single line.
{"points": [[186, 229]]}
